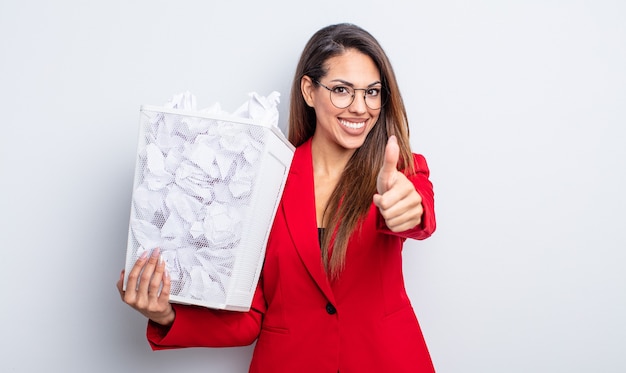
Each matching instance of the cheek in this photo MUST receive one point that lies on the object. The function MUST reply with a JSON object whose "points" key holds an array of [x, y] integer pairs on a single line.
{"points": [[326, 114], [375, 119]]}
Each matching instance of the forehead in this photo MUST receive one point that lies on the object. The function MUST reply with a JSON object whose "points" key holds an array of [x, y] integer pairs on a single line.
{"points": [[354, 67]]}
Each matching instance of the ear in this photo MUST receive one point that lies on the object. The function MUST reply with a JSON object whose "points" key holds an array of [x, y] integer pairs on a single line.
{"points": [[307, 87]]}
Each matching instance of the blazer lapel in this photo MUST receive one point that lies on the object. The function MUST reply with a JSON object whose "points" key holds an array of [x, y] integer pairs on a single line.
{"points": [[299, 208]]}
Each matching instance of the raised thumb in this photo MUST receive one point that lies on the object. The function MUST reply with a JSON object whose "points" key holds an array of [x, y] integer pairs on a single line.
{"points": [[387, 173]]}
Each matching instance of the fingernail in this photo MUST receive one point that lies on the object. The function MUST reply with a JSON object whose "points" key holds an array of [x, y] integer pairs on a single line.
{"points": [[144, 255], [155, 253], [160, 259]]}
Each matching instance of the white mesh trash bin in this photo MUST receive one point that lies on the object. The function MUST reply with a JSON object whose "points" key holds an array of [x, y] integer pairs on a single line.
{"points": [[205, 192]]}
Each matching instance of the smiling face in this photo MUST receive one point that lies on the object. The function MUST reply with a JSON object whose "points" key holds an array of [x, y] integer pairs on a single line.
{"points": [[343, 129]]}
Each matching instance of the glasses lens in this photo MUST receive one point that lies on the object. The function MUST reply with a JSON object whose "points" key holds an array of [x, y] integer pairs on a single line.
{"points": [[373, 98], [341, 96]]}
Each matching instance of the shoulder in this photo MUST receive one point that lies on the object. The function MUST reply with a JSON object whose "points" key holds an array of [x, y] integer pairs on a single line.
{"points": [[420, 164]]}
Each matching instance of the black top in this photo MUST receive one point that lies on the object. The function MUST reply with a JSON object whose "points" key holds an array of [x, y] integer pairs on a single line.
{"points": [[319, 235]]}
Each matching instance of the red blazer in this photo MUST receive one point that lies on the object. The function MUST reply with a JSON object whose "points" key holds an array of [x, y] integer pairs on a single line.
{"points": [[363, 322]]}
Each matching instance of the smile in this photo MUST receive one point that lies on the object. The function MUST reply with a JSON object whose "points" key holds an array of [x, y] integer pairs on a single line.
{"points": [[352, 124]]}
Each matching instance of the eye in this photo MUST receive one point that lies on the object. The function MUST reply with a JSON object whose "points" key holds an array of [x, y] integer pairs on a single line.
{"points": [[373, 92], [342, 90]]}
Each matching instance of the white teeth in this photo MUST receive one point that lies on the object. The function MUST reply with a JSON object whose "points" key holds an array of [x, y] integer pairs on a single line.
{"points": [[351, 124]]}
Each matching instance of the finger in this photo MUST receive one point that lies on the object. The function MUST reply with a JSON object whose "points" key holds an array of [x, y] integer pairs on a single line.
{"points": [[387, 174], [133, 277], [167, 285], [390, 209], [156, 280], [402, 225], [400, 199], [399, 218], [120, 284], [401, 206], [402, 189], [147, 273], [378, 200]]}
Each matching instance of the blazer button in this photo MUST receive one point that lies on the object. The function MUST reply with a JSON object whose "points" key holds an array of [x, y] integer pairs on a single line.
{"points": [[331, 309]]}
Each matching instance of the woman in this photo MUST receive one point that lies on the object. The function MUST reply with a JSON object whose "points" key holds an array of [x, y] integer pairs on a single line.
{"points": [[331, 295]]}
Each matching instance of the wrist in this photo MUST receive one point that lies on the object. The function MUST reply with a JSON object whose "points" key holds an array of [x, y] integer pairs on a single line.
{"points": [[166, 320]]}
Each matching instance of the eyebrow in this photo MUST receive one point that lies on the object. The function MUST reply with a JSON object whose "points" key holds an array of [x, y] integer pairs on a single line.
{"points": [[352, 85]]}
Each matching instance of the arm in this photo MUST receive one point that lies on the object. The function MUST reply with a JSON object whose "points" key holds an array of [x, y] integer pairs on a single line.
{"points": [[203, 327]]}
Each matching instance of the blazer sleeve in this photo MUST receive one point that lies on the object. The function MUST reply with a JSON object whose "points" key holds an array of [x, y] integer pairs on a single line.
{"points": [[424, 187], [196, 326]]}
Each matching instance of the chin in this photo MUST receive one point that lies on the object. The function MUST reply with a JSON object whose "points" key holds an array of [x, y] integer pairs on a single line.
{"points": [[352, 144]]}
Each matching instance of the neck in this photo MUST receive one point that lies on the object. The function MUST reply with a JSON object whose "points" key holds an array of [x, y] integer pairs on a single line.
{"points": [[329, 159]]}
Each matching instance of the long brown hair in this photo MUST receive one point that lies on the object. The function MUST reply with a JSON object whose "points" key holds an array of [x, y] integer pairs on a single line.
{"points": [[352, 198]]}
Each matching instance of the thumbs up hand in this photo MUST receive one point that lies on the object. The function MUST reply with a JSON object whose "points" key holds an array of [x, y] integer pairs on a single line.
{"points": [[398, 201]]}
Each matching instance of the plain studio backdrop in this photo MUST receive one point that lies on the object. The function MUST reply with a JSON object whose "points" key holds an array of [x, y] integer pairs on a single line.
{"points": [[518, 106]]}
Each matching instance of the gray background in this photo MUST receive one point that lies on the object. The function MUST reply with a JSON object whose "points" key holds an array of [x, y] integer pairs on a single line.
{"points": [[519, 107]]}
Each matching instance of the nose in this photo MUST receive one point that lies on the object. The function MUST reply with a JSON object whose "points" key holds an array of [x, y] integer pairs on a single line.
{"points": [[358, 104]]}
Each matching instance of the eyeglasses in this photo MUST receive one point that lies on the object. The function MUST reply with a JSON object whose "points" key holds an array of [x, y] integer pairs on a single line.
{"points": [[342, 96]]}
